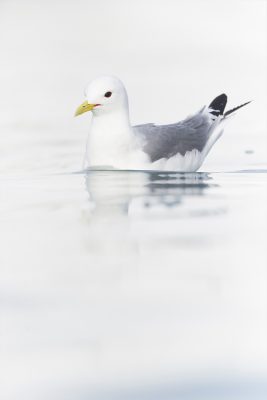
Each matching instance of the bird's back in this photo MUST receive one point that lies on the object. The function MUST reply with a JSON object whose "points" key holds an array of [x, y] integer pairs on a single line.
{"points": [[165, 141]]}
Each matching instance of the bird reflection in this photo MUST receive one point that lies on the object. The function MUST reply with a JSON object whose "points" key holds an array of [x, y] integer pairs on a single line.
{"points": [[131, 210], [116, 192]]}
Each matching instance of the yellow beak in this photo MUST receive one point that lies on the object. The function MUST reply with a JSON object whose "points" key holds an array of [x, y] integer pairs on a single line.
{"points": [[84, 107]]}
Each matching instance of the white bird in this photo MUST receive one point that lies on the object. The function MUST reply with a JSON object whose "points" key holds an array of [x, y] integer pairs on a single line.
{"points": [[113, 142]]}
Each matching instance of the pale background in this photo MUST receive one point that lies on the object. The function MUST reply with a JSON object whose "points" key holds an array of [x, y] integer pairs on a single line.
{"points": [[173, 56]]}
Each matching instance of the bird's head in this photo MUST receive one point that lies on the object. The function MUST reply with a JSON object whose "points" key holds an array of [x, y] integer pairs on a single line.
{"points": [[103, 95]]}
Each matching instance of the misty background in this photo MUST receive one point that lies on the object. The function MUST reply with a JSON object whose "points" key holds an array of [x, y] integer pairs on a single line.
{"points": [[174, 57]]}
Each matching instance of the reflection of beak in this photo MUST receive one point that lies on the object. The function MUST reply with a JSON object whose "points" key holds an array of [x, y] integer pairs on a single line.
{"points": [[84, 107]]}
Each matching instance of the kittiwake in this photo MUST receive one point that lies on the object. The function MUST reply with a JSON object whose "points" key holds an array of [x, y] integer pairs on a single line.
{"points": [[114, 143]]}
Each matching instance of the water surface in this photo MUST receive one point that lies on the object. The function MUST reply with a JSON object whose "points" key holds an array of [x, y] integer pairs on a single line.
{"points": [[128, 284]]}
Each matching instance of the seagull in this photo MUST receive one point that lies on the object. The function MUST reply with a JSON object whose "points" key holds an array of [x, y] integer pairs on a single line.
{"points": [[114, 143]]}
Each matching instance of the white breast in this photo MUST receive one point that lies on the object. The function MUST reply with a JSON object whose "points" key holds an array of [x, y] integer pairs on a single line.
{"points": [[111, 143]]}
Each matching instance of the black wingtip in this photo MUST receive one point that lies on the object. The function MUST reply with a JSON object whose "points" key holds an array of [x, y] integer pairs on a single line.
{"points": [[235, 109], [218, 105]]}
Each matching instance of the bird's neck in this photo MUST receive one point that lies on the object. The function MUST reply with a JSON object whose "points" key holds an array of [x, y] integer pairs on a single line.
{"points": [[114, 121], [110, 137]]}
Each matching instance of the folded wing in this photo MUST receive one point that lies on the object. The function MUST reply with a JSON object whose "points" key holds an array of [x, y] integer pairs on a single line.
{"points": [[165, 141], [193, 133]]}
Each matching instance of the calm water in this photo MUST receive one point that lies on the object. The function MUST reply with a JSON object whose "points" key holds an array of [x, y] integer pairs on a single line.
{"points": [[134, 285]]}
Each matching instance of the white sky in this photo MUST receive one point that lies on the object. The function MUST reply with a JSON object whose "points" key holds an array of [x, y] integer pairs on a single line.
{"points": [[174, 56]]}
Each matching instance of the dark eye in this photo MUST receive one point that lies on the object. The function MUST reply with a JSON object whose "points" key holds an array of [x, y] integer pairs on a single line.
{"points": [[108, 94]]}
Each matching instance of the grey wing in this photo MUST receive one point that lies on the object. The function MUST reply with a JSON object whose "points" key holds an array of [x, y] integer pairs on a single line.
{"points": [[165, 141]]}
